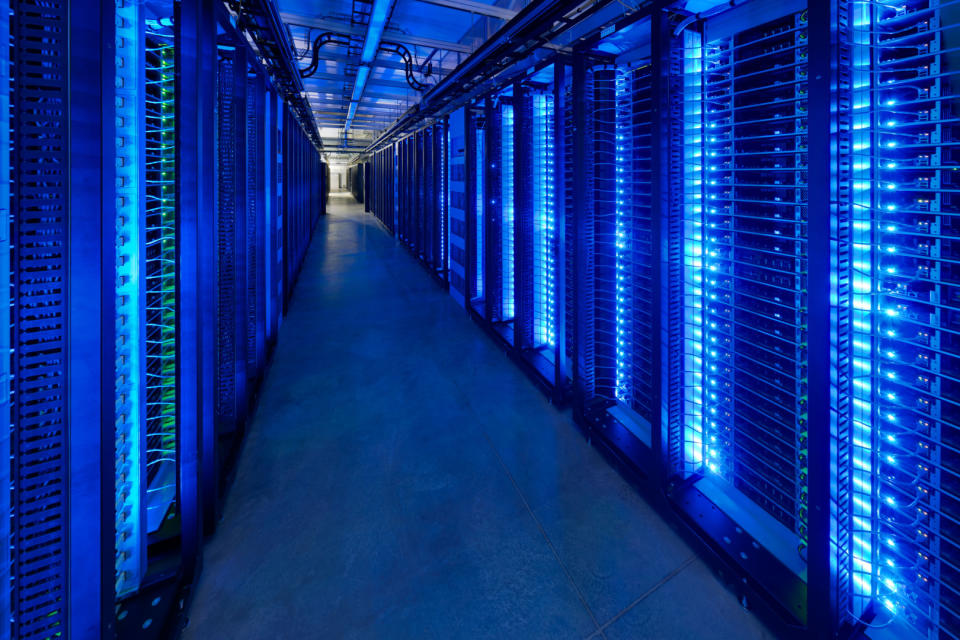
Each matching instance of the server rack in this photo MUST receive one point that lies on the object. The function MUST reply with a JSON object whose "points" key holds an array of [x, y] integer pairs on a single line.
{"points": [[758, 246], [367, 190], [456, 197], [419, 181], [516, 227], [748, 289], [498, 216], [356, 178], [692, 343], [60, 413], [111, 289], [797, 410], [475, 163], [901, 327], [382, 185]]}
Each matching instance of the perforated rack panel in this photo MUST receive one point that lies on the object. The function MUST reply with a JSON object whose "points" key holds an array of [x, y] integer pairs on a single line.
{"points": [[253, 227], [232, 240], [39, 128], [457, 204]]}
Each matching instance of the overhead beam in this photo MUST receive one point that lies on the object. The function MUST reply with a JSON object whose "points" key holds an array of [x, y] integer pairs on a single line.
{"points": [[472, 6], [392, 36]]}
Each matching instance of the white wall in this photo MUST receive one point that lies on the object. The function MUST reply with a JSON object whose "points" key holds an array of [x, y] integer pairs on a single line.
{"points": [[338, 178]]}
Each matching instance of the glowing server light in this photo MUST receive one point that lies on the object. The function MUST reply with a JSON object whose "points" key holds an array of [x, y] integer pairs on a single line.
{"points": [[746, 272], [905, 316], [862, 313], [633, 242], [480, 212], [130, 323], [506, 218], [545, 237], [624, 313], [693, 249]]}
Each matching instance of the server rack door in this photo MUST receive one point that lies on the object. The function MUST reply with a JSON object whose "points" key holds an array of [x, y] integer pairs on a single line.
{"points": [[620, 333], [421, 168], [460, 251], [521, 139], [535, 226], [232, 244], [427, 209], [476, 170], [254, 227], [443, 200]]}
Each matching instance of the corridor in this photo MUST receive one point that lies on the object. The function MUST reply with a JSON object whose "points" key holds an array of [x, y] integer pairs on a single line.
{"points": [[402, 479]]}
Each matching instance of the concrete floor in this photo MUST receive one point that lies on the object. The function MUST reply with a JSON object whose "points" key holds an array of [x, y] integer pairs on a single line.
{"points": [[402, 479]]}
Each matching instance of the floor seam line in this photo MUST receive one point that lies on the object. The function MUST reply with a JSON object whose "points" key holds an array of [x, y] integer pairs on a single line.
{"points": [[546, 537], [646, 594]]}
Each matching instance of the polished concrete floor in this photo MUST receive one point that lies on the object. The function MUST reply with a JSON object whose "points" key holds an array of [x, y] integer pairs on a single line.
{"points": [[402, 479]]}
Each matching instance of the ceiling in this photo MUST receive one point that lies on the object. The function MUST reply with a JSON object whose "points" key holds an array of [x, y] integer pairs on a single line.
{"points": [[436, 34]]}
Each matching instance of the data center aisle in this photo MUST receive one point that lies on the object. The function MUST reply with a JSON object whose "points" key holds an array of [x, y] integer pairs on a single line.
{"points": [[402, 479]]}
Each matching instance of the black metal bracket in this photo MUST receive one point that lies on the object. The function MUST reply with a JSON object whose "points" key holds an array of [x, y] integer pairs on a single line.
{"points": [[332, 37]]}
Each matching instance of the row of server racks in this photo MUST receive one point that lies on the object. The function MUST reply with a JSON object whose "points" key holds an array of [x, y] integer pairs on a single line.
{"points": [[156, 203], [729, 234], [405, 187], [356, 176]]}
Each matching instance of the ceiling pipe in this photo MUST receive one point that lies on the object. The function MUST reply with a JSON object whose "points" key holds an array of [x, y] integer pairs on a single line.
{"points": [[534, 26]]}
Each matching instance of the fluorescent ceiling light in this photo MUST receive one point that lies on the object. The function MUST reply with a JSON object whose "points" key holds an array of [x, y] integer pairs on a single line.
{"points": [[378, 20], [361, 81]]}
